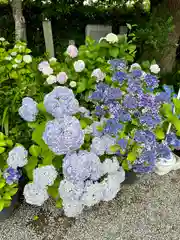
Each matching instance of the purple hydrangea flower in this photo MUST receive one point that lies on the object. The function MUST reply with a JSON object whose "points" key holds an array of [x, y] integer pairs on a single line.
{"points": [[112, 127], [119, 77], [146, 162], [137, 73], [28, 111], [151, 81], [145, 137], [134, 86], [63, 135], [104, 93], [61, 101], [82, 166], [117, 64], [11, 175], [146, 100], [149, 120], [130, 102], [172, 140], [163, 97], [162, 151]]}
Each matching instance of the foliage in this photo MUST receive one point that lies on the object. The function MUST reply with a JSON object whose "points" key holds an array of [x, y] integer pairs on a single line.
{"points": [[6, 191]]}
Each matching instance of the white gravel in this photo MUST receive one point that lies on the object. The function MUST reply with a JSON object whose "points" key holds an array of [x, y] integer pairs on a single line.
{"points": [[147, 210]]}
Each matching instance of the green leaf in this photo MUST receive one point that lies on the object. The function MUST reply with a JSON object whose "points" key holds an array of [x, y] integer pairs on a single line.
{"points": [[41, 107], [13, 191], [115, 148], [2, 149], [159, 134], [146, 64], [2, 183], [3, 143], [37, 134], [81, 86], [131, 156], [125, 165], [35, 218], [129, 26], [48, 157], [132, 48], [32, 163], [53, 192], [7, 196], [83, 123], [177, 105], [114, 52], [35, 150], [1, 204], [5, 121], [59, 203]]}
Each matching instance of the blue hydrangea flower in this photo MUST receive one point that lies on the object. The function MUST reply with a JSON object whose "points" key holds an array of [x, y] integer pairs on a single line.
{"points": [[63, 135], [82, 166], [117, 64], [130, 102], [137, 73], [147, 101], [172, 140], [11, 175], [104, 93], [112, 127], [28, 111], [115, 109], [151, 81], [162, 151], [100, 111], [145, 137], [61, 101], [134, 86], [168, 89], [146, 162], [150, 120], [163, 97], [119, 77]]}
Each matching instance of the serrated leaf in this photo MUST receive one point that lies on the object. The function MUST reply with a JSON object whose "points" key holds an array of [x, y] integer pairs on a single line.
{"points": [[125, 165], [7, 196], [114, 52], [81, 86], [48, 157], [59, 203], [13, 191], [83, 123]]}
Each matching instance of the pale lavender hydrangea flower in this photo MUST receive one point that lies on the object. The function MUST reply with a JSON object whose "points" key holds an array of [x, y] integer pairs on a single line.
{"points": [[61, 101], [62, 77], [72, 51], [28, 111], [45, 175], [17, 157], [98, 74], [82, 166], [45, 68], [35, 195], [63, 135]]}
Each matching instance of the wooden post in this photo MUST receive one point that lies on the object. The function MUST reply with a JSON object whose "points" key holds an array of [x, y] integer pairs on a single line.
{"points": [[48, 37]]}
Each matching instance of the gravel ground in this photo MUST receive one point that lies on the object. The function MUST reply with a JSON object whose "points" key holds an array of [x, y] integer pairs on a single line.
{"points": [[147, 210]]}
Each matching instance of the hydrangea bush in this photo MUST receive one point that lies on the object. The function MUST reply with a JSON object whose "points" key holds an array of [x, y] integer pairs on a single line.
{"points": [[104, 116]]}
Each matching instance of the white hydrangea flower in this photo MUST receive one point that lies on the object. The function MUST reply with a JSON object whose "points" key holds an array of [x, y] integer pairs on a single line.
{"points": [[98, 146], [98, 74], [18, 60], [45, 176], [8, 58], [112, 185], [93, 194], [62, 77], [110, 165], [27, 58], [155, 68], [69, 191], [79, 65], [111, 38], [14, 65], [2, 39], [72, 51], [47, 71], [134, 66], [17, 157], [35, 195], [53, 59], [51, 79], [13, 54], [72, 84], [101, 39], [73, 209]]}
